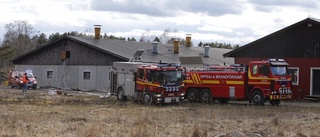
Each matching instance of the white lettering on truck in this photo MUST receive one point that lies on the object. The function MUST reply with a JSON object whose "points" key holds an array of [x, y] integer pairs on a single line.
{"points": [[221, 76]]}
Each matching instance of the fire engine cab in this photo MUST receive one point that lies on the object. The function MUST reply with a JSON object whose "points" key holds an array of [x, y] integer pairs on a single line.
{"points": [[147, 82], [257, 82]]}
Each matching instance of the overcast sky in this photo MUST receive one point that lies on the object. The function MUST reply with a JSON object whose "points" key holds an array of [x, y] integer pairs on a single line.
{"points": [[229, 21]]}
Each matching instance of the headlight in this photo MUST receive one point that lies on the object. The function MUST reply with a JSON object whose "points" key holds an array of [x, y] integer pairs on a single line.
{"points": [[182, 94], [21, 82], [35, 82], [158, 95]]}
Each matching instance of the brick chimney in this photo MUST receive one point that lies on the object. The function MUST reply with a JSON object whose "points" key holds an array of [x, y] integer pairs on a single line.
{"points": [[97, 29], [176, 44], [188, 40]]}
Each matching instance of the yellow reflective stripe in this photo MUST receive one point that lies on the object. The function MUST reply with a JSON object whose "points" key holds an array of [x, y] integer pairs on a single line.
{"points": [[151, 84], [188, 81], [199, 78], [210, 81], [259, 82], [142, 83], [194, 77], [235, 82]]}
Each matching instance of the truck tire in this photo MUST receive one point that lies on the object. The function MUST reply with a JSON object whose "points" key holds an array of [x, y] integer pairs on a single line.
{"points": [[147, 99], [205, 96], [192, 95], [275, 102], [34, 87], [10, 83], [257, 98], [20, 86], [120, 94]]}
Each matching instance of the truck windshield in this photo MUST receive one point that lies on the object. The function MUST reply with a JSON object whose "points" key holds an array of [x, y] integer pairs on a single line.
{"points": [[168, 77], [279, 70], [29, 75]]}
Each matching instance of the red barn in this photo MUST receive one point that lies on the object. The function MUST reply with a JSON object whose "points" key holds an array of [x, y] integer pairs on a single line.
{"points": [[299, 45]]}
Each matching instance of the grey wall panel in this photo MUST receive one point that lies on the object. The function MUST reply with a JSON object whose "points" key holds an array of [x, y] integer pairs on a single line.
{"points": [[103, 81], [71, 77], [86, 84]]}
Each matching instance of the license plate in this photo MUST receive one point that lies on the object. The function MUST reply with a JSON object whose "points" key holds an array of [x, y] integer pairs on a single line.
{"points": [[172, 99], [167, 100]]}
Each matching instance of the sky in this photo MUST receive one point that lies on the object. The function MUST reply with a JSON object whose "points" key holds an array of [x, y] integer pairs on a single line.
{"points": [[226, 21]]}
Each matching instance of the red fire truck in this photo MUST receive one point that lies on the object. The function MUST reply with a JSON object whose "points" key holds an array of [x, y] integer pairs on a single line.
{"points": [[257, 82], [147, 82]]}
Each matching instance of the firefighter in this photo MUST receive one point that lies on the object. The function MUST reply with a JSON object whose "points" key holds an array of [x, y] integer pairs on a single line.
{"points": [[25, 81]]}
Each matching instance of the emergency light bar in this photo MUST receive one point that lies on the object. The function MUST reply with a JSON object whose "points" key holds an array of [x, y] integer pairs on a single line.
{"points": [[161, 65], [274, 60]]}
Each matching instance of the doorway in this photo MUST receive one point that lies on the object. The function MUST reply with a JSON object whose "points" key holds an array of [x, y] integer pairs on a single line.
{"points": [[315, 81]]}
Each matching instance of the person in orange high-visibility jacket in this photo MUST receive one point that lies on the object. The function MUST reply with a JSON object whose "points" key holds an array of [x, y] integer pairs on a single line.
{"points": [[25, 81]]}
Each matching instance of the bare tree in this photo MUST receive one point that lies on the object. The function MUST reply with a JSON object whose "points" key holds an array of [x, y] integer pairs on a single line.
{"points": [[19, 35], [166, 35]]}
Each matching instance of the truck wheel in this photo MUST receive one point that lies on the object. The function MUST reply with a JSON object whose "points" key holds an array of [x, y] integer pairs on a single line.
{"points": [[120, 94], [192, 95], [205, 96], [223, 100], [12, 86], [146, 99], [20, 86], [257, 98], [274, 102]]}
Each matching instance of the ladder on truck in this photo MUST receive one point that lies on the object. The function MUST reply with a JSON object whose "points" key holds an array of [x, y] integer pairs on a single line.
{"points": [[55, 75]]}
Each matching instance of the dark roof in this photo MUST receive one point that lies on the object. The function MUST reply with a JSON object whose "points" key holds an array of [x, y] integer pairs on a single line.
{"points": [[242, 48], [126, 49]]}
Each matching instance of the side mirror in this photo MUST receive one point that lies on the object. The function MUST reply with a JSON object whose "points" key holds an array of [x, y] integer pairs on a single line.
{"points": [[35, 77], [16, 77]]}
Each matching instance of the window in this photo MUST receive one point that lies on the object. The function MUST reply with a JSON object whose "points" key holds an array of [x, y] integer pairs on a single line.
{"points": [[86, 75], [294, 72], [49, 74], [264, 69], [140, 73], [255, 69]]}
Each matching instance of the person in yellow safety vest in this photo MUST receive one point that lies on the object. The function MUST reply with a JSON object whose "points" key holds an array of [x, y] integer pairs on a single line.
{"points": [[25, 81]]}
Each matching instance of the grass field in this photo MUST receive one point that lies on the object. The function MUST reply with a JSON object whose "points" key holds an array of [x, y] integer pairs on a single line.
{"points": [[37, 114]]}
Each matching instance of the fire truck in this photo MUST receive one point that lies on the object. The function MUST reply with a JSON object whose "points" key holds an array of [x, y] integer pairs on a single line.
{"points": [[257, 82], [147, 82]]}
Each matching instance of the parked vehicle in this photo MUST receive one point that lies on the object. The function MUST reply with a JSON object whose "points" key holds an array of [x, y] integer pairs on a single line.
{"points": [[147, 82], [15, 79], [257, 82]]}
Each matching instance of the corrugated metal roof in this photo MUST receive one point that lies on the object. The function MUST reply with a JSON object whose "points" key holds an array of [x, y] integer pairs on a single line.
{"points": [[165, 51], [126, 49]]}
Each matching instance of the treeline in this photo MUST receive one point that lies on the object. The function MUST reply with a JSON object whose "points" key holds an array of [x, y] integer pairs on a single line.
{"points": [[20, 37], [218, 45]]}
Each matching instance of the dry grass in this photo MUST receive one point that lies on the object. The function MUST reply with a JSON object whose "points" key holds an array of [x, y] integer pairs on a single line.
{"points": [[37, 114]]}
